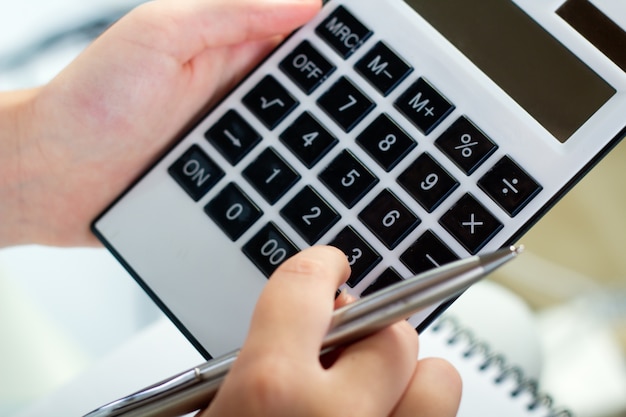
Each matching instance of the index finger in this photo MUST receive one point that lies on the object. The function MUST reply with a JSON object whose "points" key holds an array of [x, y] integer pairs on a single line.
{"points": [[293, 313]]}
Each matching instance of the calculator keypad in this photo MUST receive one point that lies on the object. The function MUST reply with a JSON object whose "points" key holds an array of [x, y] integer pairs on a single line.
{"points": [[383, 68], [381, 212], [509, 185], [361, 256], [271, 175], [307, 67], [389, 219], [345, 104], [233, 137], [310, 215], [308, 139], [386, 142], [424, 105], [427, 182], [233, 211], [348, 178], [470, 223], [269, 248], [389, 277], [343, 32], [466, 145], [195, 172], [270, 102], [427, 252]]}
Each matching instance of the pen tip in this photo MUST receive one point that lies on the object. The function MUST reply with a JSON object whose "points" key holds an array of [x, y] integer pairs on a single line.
{"points": [[517, 249], [492, 261]]}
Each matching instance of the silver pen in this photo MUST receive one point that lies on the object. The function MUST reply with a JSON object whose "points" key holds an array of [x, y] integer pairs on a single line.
{"points": [[194, 389]]}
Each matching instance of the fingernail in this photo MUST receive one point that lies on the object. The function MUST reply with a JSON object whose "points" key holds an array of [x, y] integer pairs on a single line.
{"points": [[345, 297]]}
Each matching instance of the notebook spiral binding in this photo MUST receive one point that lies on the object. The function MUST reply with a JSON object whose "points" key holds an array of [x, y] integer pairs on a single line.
{"points": [[459, 334]]}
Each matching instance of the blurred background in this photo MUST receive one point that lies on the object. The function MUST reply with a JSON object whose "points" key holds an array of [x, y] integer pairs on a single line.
{"points": [[63, 310]]}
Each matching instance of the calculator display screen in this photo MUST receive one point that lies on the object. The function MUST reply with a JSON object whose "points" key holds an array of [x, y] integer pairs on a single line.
{"points": [[554, 86]]}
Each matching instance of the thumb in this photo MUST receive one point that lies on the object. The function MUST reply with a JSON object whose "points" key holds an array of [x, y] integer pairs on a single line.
{"points": [[183, 29]]}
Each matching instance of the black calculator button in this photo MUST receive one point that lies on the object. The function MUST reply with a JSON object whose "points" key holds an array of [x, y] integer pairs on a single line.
{"points": [[270, 101], [389, 219], [269, 248], [386, 142], [233, 211], [308, 139], [427, 182], [470, 223], [195, 172], [387, 278], [343, 32], [426, 253], [466, 145], [310, 215], [345, 104], [270, 175], [383, 68], [509, 186], [361, 256], [307, 67], [233, 137], [348, 178], [424, 105]]}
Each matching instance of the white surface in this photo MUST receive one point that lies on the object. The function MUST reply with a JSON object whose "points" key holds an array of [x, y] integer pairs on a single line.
{"points": [[585, 367], [84, 289], [36, 354], [156, 353], [60, 311]]}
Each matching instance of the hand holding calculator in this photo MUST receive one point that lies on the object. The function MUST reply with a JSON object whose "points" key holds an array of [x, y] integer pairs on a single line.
{"points": [[407, 134]]}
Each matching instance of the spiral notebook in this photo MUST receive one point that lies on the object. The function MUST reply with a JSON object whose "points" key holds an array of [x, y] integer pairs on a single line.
{"points": [[492, 387]]}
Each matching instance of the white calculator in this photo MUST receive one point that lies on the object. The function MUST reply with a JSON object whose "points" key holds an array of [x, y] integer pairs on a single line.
{"points": [[406, 133]]}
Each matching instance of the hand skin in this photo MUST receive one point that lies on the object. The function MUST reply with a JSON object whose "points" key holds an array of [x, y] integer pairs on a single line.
{"points": [[68, 148], [278, 372]]}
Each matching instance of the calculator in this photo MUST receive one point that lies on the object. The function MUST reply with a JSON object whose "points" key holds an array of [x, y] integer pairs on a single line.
{"points": [[408, 134]]}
